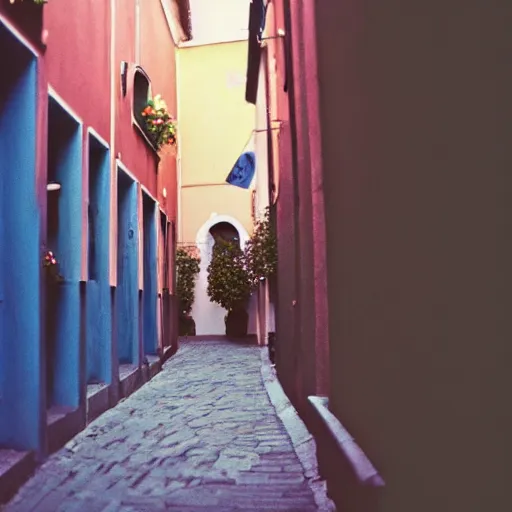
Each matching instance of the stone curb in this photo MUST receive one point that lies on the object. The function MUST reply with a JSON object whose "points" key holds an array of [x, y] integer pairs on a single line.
{"points": [[302, 441]]}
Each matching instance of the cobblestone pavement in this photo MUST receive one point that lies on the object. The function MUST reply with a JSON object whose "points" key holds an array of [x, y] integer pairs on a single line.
{"points": [[202, 435]]}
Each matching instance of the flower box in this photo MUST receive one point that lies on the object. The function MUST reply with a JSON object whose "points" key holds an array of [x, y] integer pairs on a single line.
{"points": [[159, 125]]}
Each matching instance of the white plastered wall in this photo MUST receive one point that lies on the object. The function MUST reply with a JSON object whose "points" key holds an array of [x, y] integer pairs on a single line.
{"points": [[265, 309], [208, 316]]}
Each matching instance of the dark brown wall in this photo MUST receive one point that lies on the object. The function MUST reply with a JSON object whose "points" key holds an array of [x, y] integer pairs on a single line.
{"points": [[415, 103]]}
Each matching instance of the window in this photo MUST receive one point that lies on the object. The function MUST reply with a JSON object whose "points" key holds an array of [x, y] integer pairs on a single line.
{"points": [[141, 95]]}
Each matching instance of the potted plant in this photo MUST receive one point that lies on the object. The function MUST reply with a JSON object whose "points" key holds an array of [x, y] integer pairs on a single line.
{"points": [[187, 268], [229, 285], [160, 125]]}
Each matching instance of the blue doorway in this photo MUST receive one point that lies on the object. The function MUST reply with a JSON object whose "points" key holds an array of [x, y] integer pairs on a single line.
{"points": [[20, 257], [127, 294], [99, 310], [64, 239], [150, 266]]}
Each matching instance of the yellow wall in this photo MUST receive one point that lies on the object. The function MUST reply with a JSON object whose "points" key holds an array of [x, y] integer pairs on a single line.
{"points": [[215, 123], [199, 203]]}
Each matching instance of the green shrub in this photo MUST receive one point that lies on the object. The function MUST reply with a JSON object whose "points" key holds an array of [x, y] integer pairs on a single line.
{"points": [[228, 280], [261, 251], [187, 268]]}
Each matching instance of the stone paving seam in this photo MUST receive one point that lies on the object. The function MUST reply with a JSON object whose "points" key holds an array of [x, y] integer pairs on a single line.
{"points": [[302, 441]]}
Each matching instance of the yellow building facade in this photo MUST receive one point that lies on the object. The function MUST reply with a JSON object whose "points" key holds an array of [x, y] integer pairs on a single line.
{"points": [[216, 126]]}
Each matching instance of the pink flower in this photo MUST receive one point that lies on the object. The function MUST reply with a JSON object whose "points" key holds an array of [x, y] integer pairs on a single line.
{"points": [[54, 261]]}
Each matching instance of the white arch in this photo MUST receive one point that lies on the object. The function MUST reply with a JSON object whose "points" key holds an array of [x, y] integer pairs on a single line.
{"points": [[203, 235], [208, 316]]}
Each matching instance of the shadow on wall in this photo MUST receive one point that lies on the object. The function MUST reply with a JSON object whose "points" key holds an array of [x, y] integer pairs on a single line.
{"points": [[127, 271], [149, 319], [99, 311], [64, 226]]}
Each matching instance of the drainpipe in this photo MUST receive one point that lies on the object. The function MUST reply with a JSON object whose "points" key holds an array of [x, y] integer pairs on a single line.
{"points": [[113, 169]]}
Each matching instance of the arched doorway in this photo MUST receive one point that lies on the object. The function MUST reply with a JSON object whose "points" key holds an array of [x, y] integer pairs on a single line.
{"points": [[208, 316], [225, 231]]}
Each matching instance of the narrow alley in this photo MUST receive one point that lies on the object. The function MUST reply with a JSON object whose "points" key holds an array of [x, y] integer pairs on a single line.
{"points": [[202, 435], [222, 221]]}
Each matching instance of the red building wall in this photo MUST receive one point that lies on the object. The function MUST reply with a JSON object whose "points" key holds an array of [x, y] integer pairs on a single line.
{"points": [[80, 64], [135, 153], [77, 51], [77, 59], [157, 58], [301, 311]]}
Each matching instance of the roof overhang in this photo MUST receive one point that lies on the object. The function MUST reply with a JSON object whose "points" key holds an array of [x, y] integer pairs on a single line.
{"points": [[178, 16], [257, 12]]}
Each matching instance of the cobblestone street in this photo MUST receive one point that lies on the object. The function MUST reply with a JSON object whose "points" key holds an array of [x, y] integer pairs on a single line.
{"points": [[202, 435]]}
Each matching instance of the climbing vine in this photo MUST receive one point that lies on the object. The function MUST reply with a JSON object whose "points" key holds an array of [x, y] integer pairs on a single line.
{"points": [[261, 251], [187, 267]]}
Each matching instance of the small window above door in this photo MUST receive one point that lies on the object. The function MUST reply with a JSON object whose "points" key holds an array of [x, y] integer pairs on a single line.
{"points": [[141, 95]]}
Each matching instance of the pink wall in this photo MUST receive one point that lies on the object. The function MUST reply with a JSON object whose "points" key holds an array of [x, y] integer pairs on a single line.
{"points": [[314, 178], [78, 58], [287, 355], [78, 66], [302, 326], [157, 58], [136, 154]]}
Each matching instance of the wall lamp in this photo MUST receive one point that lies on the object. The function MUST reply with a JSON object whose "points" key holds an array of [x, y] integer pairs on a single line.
{"points": [[53, 186], [124, 77]]}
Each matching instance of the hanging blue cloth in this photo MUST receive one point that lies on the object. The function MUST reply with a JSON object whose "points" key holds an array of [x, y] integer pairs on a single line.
{"points": [[243, 171]]}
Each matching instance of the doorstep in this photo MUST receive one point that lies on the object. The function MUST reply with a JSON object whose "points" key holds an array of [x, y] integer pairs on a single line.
{"points": [[130, 379], [15, 468], [155, 366], [250, 339], [151, 369], [168, 352], [63, 424], [98, 400]]}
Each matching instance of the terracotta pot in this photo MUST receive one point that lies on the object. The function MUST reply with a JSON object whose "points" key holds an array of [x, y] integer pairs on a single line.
{"points": [[187, 326], [237, 321]]}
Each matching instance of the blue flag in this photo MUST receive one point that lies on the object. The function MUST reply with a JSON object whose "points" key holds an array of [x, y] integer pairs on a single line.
{"points": [[244, 169]]}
